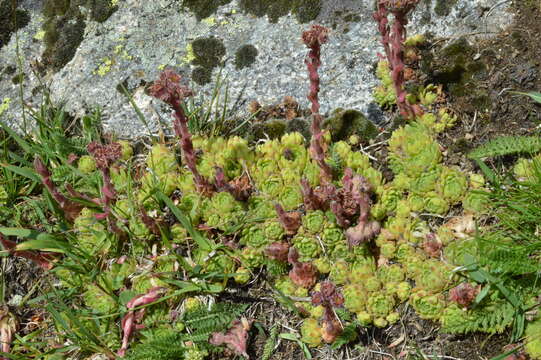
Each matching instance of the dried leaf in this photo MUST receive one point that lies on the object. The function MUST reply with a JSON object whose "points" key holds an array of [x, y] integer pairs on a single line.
{"points": [[235, 338]]}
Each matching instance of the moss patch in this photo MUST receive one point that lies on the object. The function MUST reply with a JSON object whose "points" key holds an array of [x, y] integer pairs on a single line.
{"points": [[443, 7], [207, 54], [345, 123], [203, 8], [245, 56], [11, 19], [202, 75], [64, 27], [455, 66], [17, 79], [304, 10], [100, 10]]}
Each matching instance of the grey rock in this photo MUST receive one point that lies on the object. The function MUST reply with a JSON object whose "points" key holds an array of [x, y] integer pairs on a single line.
{"points": [[144, 36]]}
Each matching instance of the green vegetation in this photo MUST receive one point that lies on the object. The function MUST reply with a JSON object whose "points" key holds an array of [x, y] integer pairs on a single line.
{"points": [[142, 248]]}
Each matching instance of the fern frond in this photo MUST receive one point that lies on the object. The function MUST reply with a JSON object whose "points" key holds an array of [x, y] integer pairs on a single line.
{"points": [[270, 343], [507, 145], [492, 318], [168, 346], [201, 322]]}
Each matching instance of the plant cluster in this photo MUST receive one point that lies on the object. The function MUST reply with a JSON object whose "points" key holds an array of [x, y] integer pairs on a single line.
{"points": [[341, 243]]}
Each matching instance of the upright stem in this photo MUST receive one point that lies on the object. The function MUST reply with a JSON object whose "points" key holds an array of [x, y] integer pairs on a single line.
{"points": [[392, 39], [313, 39]]}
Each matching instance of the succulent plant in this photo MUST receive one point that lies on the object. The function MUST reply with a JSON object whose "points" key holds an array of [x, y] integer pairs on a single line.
{"points": [[380, 305], [86, 164], [385, 94], [242, 275], [391, 273], [533, 339], [222, 211], [340, 272], [195, 354], [161, 160], [314, 221], [452, 185], [255, 237], [413, 150], [99, 301], [355, 297], [432, 276], [311, 332], [435, 203], [307, 246], [476, 201], [427, 306]]}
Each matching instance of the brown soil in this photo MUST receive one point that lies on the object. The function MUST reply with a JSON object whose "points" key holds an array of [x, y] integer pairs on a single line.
{"points": [[512, 62]]}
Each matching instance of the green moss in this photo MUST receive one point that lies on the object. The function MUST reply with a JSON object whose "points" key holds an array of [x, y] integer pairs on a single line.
{"points": [[64, 27], [458, 47], [17, 79], [202, 75], [11, 19], [63, 35], [207, 53], [453, 67], [345, 123], [299, 125], [100, 10], [304, 10], [55, 8], [272, 129], [245, 56], [443, 7], [203, 8]]}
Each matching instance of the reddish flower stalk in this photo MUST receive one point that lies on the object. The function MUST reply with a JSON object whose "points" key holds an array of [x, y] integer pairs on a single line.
{"points": [[365, 229], [312, 199], [149, 222], [235, 338], [277, 251], [432, 246], [303, 274], [168, 89], [240, 188], [393, 38], [130, 321], [8, 325], [345, 205], [70, 208], [313, 39], [44, 260], [329, 297], [105, 156], [291, 221]]}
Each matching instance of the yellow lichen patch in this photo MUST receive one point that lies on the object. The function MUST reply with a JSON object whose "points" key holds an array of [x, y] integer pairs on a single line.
{"points": [[40, 35], [190, 55], [105, 67], [4, 105], [210, 21]]}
